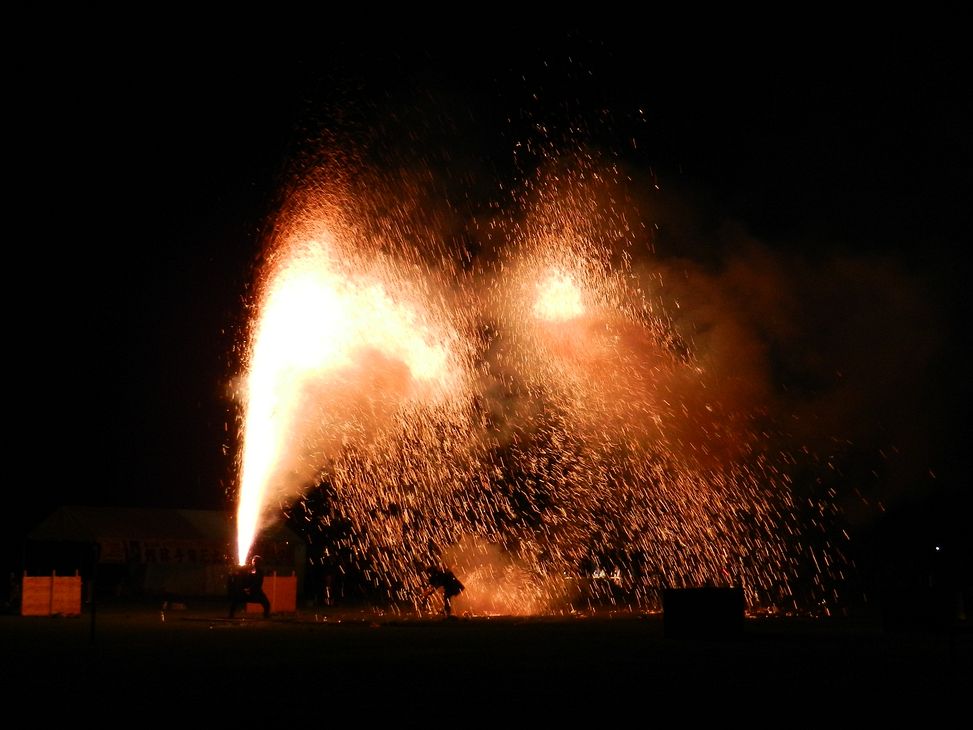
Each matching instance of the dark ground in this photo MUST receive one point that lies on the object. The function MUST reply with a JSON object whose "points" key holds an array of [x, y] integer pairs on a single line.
{"points": [[319, 667]]}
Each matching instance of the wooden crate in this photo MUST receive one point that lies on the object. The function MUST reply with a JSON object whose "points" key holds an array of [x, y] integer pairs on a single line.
{"points": [[282, 592], [53, 595]]}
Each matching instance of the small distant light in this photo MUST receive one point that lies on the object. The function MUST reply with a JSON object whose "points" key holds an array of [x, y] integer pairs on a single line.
{"points": [[938, 548]]}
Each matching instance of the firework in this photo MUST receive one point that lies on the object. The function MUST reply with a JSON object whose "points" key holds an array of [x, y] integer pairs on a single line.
{"points": [[540, 424]]}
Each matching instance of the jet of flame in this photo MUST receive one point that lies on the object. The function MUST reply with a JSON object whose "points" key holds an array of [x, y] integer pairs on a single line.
{"points": [[315, 323]]}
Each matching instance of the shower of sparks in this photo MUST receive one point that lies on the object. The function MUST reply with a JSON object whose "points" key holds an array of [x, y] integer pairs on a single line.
{"points": [[544, 429]]}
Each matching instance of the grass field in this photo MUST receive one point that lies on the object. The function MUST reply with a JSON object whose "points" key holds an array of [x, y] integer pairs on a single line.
{"points": [[129, 664]]}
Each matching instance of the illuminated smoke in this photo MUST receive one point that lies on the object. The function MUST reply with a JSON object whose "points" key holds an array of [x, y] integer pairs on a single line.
{"points": [[541, 424]]}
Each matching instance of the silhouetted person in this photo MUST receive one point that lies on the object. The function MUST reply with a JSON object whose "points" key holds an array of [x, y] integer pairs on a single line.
{"points": [[444, 578], [248, 587], [12, 603]]}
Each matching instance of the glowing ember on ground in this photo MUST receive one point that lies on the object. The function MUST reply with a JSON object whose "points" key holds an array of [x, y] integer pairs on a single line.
{"points": [[536, 425]]}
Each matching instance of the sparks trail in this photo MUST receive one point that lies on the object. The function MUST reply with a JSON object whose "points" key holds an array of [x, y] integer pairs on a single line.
{"points": [[537, 426]]}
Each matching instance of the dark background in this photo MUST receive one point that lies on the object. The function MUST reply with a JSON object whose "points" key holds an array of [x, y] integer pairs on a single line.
{"points": [[147, 168]]}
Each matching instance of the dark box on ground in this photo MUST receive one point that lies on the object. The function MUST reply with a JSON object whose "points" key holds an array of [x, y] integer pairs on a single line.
{"points": [[705, 612]]}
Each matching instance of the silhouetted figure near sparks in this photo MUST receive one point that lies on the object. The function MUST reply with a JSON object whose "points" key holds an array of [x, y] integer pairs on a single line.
{"points": [[443, 578], [248, 587]]}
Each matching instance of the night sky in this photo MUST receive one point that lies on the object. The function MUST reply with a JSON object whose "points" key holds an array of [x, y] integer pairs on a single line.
{"points": [[151, 172]]}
